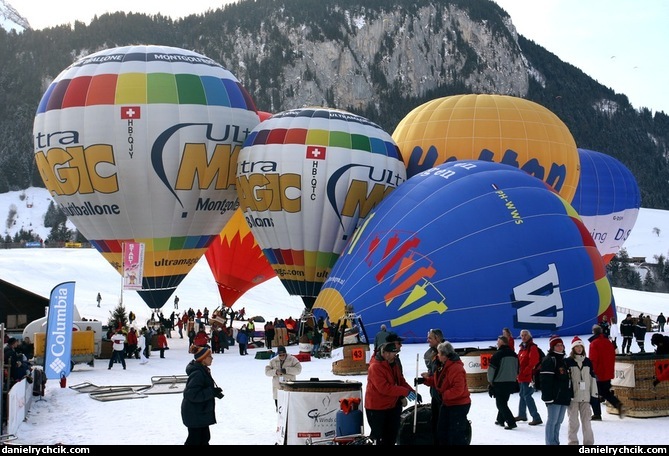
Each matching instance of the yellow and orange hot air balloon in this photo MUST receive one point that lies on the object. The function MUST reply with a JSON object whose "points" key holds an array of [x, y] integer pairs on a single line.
{"points": [[496, 128]]}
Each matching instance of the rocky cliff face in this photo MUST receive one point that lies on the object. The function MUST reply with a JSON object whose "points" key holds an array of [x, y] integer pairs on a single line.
{"points": [[383, 51]]}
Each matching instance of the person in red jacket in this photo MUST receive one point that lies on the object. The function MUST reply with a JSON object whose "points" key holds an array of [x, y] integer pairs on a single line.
{"points": [[386, 388], [201, 338], [450, 379], [528, 357], [131, 347], [162, 342], [603, 357]]}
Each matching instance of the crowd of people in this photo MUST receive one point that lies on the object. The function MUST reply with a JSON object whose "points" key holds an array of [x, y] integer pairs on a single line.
{"points": [[573, 384], [18, 357]]}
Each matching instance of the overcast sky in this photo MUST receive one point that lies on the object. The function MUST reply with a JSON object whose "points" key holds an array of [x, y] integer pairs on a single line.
{"points": [[620, 43]]}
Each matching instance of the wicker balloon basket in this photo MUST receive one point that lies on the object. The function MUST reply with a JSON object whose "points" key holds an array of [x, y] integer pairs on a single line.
{"points": [[354, 361], [634, 387], [476, 366]]}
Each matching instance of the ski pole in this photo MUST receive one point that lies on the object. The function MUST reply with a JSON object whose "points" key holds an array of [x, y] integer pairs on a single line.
{"points": [[415, 408]]}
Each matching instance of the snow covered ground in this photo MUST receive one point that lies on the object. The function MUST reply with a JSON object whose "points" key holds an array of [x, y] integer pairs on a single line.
{"points": [[246, 414]]}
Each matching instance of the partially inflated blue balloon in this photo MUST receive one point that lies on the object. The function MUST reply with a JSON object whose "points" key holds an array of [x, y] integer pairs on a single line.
{"points": [[470, 247]]}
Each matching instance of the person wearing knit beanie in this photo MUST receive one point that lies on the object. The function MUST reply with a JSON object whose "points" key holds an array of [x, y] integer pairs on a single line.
{"points": [[198, 407], [200, 353], [555, 340], [556, 389], [584, 392], [577, 341]]}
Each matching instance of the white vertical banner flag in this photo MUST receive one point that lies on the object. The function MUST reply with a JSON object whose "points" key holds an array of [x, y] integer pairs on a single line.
{"points": [[133, 265], [58, 353]]}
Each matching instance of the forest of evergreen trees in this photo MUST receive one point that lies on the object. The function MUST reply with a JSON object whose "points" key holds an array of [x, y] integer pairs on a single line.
{"points": [[31, 59]]}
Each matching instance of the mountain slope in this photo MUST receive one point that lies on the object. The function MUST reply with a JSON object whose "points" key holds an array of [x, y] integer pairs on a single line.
{"points": [[11, 19]]}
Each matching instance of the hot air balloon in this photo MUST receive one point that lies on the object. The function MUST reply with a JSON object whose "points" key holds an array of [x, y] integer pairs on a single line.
{"points": [[471, 247], [305, 179], [236, 260], [138, 146], [608, 199], [496, 128]]}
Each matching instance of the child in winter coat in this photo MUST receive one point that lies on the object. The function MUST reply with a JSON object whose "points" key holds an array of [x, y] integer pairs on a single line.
{"points": [[584, 386]]}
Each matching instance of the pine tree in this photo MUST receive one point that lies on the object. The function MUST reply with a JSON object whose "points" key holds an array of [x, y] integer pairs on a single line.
{"points": [[648, 281], [117, 316]]}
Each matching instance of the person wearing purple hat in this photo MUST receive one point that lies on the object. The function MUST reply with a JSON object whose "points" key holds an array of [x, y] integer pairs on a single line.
{"points": [[555, 389]]}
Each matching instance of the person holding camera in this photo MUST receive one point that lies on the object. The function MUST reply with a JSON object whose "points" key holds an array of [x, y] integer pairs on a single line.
{"points": [[198, 408], [282, 368]]}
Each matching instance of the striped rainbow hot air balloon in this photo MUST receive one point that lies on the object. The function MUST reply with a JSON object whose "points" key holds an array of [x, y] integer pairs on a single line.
{"points": [[139, 144], [306, 179]]}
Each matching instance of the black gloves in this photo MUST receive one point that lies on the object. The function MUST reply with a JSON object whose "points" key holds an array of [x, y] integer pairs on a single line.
{"points": [[491, 391], [218, 392], [419, 381], [419, 399], [283, 371]]}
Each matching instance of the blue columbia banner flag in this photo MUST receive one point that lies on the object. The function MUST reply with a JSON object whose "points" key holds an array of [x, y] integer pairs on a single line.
{"points": [[58, 353]]}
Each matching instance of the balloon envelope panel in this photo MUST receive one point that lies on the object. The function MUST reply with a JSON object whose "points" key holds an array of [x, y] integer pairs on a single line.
{"points": [[608, 199], [236, 260], [471, 247], [306, 177], [140, 143], [497, 128]]}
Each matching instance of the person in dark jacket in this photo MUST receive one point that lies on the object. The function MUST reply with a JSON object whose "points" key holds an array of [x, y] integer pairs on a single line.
{"points": [[198, 408], [242, 340], [502, 375], [380, 337], [20, 369], [627, 332], [662, 348], [640, 332], [661, 321], [433, 364], [606, 326], [556, 389], [269, 334], [27, 348], [661, 344]]}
